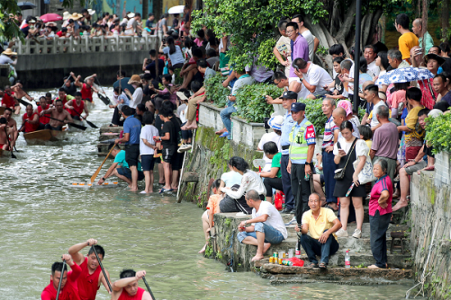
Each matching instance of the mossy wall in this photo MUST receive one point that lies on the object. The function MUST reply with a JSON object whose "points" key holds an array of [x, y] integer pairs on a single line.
{"points": [[208, 159]]}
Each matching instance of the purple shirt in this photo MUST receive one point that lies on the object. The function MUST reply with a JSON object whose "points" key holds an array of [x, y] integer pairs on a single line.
{"points": [[299, 49], [385, 141]]}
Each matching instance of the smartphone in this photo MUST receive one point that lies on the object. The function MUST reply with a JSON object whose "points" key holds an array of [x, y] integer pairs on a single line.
{"points": [[338, 146], [297, 68]]}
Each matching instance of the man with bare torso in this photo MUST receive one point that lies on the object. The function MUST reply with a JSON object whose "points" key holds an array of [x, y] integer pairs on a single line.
{"points": [[19, 93], [59, 116], [11, 125], [4, 145]]}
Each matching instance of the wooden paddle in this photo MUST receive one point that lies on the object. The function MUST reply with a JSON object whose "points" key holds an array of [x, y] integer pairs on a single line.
{"points": [[100, 168], [148, 287], [61, 280], [71, 124], [105, 98], [101, 267], [23, 102], [89, 123]]}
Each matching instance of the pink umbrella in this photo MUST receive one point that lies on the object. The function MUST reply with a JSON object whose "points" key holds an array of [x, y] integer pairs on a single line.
{"points": [[51, 18]]}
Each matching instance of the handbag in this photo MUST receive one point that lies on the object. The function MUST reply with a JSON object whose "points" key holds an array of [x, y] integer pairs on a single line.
{"points": [[340, 173], [366, 175]]}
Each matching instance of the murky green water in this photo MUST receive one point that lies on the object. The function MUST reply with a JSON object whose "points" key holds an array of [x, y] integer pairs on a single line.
{"points": [[41, 216]]}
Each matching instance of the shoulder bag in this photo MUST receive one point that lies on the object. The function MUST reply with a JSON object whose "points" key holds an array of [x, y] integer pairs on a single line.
{"points": [[340, 173]]}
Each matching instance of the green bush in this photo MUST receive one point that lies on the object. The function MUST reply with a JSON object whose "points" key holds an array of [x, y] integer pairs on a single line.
{"points": [[250, 102], [215, 91], [438, 131]]}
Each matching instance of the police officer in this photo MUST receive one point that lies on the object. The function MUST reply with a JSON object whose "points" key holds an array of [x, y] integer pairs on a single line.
{"points": [[288, 98], [302, 146]]}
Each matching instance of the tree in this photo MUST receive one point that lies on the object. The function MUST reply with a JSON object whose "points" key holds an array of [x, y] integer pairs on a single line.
{"points": [[251, 23], [9, 29]]}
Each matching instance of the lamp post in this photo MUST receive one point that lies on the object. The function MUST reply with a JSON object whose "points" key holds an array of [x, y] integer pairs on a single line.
{"points": [[358, 21]]}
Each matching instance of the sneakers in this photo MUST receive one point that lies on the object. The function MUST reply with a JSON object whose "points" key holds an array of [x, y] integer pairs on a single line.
{"points": [[184, 148], [341, 233], [357, 233]]}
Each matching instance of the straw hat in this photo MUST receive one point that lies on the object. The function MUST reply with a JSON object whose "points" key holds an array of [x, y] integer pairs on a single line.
{"points": [[134, 79], [9, 52], [66, 15], [75, 16], [131, 15], [91, 11]]}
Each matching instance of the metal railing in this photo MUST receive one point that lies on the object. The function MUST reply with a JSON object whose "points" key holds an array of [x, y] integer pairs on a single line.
{"points": [[56, 45]]}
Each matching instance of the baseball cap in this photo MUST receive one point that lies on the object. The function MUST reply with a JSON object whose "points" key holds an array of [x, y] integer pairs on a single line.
{"points": [[298, 106], [290, 95]]}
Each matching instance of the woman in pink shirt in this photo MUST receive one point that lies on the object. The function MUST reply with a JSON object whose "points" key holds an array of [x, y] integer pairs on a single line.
{"points": [[380, 211]]}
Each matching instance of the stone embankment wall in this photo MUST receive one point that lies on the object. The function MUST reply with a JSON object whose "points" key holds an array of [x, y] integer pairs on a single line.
{"points": [[430, 210]]}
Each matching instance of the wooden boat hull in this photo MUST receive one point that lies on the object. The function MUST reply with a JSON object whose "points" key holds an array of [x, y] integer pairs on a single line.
{"points": [[45, 135]]}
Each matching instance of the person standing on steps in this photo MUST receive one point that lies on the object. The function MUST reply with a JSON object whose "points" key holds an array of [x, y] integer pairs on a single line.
{"points": [[91, 273], [267, 225]]}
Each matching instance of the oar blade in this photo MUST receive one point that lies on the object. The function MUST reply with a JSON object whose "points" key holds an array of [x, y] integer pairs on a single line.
{"points": [[91, 124], [23, 102], [104, 99], [78, 126]]}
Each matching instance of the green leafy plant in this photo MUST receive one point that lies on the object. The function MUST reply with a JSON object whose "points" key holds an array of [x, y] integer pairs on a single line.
{"points": [[215, 91], [251, 104], [322, 50], [438, 131]]}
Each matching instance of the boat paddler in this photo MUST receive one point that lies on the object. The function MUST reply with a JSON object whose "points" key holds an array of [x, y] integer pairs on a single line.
{"points": [[11, 126], [3, 134], [68, 289], [57, 112], [76, 107], [127, 287], [30, 120], [91, 273], [87, 88]]}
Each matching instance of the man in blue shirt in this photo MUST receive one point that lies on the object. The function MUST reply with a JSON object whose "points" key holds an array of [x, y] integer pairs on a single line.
{"points": [[288, 98], [132, 131]]}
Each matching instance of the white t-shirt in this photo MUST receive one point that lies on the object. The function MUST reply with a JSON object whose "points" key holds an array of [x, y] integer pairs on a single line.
{"points": [[181, 111], [130, 25], [269, 137], [373, 69], [374, 121], [231, 178], [147, 133], [316, 76], [274, 218], [136, 97], [311, 45]]}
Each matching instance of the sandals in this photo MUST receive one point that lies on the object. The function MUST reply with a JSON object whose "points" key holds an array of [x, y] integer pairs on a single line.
{"points": [[312, 265], [322, 265]]}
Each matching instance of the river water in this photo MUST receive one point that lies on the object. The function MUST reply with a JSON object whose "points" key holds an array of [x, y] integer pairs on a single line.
{"points": [[42, 215]]}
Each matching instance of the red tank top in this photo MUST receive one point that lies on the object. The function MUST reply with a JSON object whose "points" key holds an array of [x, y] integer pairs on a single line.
{"points": [[43, 120], [30, 127], [138, 296], [64, 100], [86, 92], [88, 284], [77, 108], [8, 100], [69, 292]]}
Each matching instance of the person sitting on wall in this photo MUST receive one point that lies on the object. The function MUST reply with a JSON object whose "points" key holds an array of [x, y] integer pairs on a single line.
{"points": [[267, 225]]}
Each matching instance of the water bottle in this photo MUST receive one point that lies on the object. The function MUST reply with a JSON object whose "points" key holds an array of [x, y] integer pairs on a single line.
{"points": [[347, 260], [298, 250], [283, 202]]}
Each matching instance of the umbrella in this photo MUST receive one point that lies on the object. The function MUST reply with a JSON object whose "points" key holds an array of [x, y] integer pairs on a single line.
{"points": [[404, 75], [176, 10], [26, 5], [50, 18]]}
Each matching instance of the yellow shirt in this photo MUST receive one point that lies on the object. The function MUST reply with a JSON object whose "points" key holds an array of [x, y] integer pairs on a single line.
{"points": [[417, 133], [324, 222], [406, 42]]}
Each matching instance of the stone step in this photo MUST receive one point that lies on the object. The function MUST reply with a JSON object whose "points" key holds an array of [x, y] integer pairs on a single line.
{"points": [[279, 274]]}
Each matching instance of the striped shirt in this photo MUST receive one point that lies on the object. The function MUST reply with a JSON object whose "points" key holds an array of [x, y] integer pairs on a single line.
{"points": [[329, 129]]}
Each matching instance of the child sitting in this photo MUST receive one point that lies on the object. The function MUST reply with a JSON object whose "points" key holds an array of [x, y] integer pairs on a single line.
{"points": [[212, 208]]}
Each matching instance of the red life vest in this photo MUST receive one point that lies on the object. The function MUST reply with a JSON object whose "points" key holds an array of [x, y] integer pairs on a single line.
{"points": [[86, 92], [28, 126], [77, 108], [8, 100], [88, 284], [138, 296], [44, 119]]}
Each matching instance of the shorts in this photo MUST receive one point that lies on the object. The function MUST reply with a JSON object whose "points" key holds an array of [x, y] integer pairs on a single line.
{"points": [[412, 152], [177, 161], [147, 162], [416, 167], [291, 79], [59, 128], [77, 118], [167, 154], [132, 154], [127, 173]]}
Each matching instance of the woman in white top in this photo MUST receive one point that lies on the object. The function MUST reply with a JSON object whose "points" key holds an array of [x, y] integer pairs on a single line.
{"points": [[137, 96], [147, 149], [347, 150]]}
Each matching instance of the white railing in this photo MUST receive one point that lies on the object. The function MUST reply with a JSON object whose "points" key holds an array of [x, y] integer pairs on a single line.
{"points": [[42, 46]]}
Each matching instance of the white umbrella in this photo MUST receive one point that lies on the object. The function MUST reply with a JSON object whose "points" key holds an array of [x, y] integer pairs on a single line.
{"points": [[176, 10]]}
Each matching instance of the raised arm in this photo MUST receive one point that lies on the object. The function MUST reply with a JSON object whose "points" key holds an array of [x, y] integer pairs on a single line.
{"points": [[74, 251], [118, 285], [77, 82]]}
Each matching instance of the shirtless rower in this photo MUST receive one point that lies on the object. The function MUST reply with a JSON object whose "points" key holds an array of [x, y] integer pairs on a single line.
{"points": [[127, 287], [12, 126], [43, 120], [91, 273], [9, 100], [57, 112], [30, 120], [76, 107], [19, 92], [87, 88], [68, 289], [4, 134]]}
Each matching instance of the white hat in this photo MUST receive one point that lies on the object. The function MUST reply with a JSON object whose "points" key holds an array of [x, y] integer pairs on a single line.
{"points": [[435, 113], [131, 15], [276, 122], [66, 15], [91, 11]]}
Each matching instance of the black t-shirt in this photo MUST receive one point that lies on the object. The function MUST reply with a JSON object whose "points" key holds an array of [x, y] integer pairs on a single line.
{"points": [[446, 66], [339, 85], [169, 127], [71, 90], [151, 68], [178, 130], [175, 23], [159, 124]]}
